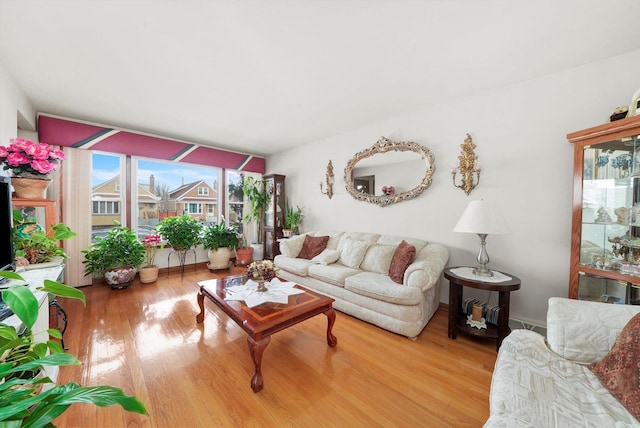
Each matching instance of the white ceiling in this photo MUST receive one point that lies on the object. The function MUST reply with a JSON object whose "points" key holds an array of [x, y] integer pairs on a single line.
{"points": [[262, 76]]}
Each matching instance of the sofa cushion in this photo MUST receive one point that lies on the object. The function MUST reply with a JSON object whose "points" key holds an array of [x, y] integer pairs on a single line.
{"points": [[291, 247], [533, 387], [327, 256], [353, 253], [404, 255], [380, 287], [334, 237], [378, 258], [619, 371], [585, 331], [292, 264], [371, 238], [312, 246], [396, 240], [333, 274]]}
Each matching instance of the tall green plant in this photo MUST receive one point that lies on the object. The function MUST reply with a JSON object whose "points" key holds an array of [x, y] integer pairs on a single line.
{"points": [[259, 196], [21, 359], [181, 232]]}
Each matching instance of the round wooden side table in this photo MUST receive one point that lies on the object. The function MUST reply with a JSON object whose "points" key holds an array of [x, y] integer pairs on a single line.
{"points": [[458, 319]]}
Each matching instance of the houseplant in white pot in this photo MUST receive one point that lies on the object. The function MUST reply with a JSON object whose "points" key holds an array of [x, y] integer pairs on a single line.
{"points": [[149, 272], [220, 241]]}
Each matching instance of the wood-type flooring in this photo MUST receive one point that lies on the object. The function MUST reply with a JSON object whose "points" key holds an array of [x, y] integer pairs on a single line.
{"points": [[145, 340]]}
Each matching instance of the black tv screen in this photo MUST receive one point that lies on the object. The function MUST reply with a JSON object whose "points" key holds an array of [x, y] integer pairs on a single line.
{"points": [[7, 252]]}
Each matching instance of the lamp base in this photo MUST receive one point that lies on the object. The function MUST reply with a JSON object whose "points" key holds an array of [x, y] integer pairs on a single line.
{"points": [[482, 271]]}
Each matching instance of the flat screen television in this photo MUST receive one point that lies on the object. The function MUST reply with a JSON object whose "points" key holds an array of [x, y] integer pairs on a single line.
{"points": [[7, 251]]}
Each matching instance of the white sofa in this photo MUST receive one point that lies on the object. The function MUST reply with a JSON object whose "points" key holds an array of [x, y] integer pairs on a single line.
{"points": [[367, 292], [538, 383]]}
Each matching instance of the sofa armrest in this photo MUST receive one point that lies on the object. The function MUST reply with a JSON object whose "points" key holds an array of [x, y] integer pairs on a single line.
{"points": [[426, 269], [585, 331]]}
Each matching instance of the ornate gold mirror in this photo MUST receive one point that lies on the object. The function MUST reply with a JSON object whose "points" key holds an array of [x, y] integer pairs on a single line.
{"points": [[389, 172]]}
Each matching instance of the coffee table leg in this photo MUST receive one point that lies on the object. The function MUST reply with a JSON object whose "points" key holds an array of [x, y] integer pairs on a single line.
{"points": [[200, 316], [257, 348], [331, 319]]}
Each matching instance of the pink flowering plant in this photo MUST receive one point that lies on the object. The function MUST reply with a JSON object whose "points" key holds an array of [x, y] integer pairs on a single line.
{"points": [[28, 159], [151, 244]]}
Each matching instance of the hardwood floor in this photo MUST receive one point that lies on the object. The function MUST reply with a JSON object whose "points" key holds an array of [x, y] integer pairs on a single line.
{"points": [[146, 341]]}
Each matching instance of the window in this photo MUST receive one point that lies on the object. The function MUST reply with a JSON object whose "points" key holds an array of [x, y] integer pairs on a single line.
{"points": [[194, 208], [106, 207], [162, 189], [168, 189], [106, 198], [235, 200]]}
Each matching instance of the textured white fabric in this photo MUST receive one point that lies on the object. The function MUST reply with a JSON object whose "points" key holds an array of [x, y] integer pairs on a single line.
{"points": [[371, 238], [381, 287], [291, 247], [368, 304], [292, 264], [353, 253], [334, 274], [378, 258], [585, 331], [534, 387], [326, 257]]}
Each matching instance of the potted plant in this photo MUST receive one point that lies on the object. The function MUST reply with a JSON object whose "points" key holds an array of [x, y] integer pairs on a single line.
{"points": [[31, 165], [23, 361], [292, 219], [34, 245], [181, 232], [259, 195], [244, 252], [219, 240], [149, 272], [117, 256]]}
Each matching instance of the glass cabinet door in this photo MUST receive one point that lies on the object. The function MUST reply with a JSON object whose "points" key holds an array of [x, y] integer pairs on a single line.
{"points": [[611, 206]]}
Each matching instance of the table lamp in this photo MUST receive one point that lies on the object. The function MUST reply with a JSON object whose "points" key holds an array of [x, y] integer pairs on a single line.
{"points": [[482, 218]]}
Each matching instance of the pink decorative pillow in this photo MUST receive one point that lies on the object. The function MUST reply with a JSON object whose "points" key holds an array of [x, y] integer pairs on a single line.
{"points": [[619, 371], [405, 255], [312, 246]]}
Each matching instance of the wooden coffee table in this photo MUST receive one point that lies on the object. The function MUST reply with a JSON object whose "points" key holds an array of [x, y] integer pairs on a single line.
{"points": [[260, 322]]}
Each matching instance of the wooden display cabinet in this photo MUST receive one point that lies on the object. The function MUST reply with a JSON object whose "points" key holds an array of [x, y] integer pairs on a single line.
{"points": [[273, 215], [605, 232], [43, 211]]}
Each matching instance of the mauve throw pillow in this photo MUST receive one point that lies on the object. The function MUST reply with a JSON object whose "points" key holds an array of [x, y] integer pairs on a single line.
{"points": [[312, 246], [619, 371], [405, 255]]}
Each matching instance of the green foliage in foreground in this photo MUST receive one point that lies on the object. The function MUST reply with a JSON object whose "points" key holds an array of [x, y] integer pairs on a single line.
{"points": [[22, 361]]}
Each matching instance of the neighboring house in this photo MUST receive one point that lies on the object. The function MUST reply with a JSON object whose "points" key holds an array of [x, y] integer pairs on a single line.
{"points": [[106, 203], [197, 199]]}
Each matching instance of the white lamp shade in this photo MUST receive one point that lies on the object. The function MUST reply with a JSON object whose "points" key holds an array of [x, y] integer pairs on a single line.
{"points": [[482, 217]]}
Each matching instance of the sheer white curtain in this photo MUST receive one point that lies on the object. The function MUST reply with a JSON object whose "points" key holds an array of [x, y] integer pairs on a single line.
{"points": [[76, 211]]}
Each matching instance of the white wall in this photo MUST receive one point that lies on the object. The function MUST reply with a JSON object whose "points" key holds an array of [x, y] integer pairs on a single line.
{"points": [[526, 170], [15, 109]]}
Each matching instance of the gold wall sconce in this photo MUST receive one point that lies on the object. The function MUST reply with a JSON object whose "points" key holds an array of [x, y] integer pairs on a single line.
{"points": [[467, 167], [329, 180]]}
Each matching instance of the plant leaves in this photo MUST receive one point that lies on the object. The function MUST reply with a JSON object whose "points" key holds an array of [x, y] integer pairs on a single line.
{"points": [[23, 303], [62, 290]]}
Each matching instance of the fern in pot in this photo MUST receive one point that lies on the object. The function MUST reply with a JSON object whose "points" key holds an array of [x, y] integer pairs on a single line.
{"points": [[117, 256]]}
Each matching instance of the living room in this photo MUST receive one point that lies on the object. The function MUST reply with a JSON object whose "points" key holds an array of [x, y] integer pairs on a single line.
{"points": [[518, 112]]}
